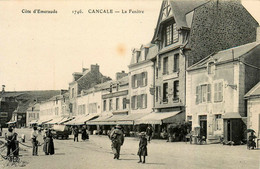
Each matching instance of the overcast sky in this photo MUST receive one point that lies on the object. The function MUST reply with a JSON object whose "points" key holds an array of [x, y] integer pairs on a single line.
{"points": [[41, 51]]}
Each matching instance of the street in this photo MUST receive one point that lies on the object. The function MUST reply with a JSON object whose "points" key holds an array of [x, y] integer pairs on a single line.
{"points": [[96, 153]]}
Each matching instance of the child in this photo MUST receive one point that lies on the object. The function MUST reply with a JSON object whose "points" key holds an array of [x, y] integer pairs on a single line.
{"points": [[142, 147]]}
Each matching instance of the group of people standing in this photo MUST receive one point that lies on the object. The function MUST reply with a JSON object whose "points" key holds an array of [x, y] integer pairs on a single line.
{"points": [[48, 146], [117, 138], [84, 134]]}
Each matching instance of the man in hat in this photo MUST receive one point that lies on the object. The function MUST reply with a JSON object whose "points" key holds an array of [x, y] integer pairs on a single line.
{"points": [[117, 138]]}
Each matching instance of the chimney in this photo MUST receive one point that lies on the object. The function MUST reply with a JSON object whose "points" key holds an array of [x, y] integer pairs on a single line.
{"points": [[84, 69], [120, 75], [3, 89], [62, 91], [94, 68], [258, 34]]}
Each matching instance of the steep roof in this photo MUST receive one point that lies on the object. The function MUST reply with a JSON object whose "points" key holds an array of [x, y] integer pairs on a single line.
{"points": [[255, 91], [179, 9], [225, 55]]}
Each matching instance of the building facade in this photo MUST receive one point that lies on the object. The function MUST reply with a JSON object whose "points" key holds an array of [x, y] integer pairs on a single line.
{"points": [[141, 79], [82, 81], [33, 114], [215, 91], [253, 107]]}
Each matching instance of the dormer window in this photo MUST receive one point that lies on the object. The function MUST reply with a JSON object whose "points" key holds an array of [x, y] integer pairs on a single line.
{"points": [[138, 56], [171, 33], [211, 68]]}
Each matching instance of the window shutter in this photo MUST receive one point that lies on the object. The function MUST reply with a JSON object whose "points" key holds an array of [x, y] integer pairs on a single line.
{"points": [[220, 91], [209, 93], [141, 101], [138, 101], [132, 102], [215, 92], [133, 81], [199, 94], [145, 100], [145, 78], [159, 91]]}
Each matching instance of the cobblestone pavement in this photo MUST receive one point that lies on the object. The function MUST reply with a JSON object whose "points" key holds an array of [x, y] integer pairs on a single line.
{"points": [[96, 153]]}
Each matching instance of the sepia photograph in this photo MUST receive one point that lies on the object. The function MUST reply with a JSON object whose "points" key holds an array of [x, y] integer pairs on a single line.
{"points": [[112, 84]]}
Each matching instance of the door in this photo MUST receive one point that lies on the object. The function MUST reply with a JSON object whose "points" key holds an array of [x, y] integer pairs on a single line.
{"points": [[203, 128]]}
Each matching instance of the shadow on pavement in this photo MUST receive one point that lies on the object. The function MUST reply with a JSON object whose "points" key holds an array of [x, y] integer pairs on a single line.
{"points": [[156, 163]]}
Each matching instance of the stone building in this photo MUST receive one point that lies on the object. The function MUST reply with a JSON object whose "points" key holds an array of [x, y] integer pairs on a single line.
{"points": [[82, 81], [216, 86], [253, 107], [188, 31]]}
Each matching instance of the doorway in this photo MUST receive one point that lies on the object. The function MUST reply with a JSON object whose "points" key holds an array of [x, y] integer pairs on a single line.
{"points": [[203, 126]]}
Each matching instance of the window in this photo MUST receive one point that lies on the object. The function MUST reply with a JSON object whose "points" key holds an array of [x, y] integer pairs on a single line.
{"points": [[146, 50], [143, 101], [165, 92], [176, 63], [104, 105], [72, 92], [176, 90], [203, 93], [219, 122], [218, 92], [83, 109], [138, 56], [134, 102], [124, 103], [144, 78], [157, 73], [134, 81], [211, 68], [165, 65], [171, 34], [117, 103], [110, 104]]}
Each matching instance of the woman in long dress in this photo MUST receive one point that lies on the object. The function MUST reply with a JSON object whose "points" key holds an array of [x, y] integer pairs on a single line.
{"points": [[48, 147]]}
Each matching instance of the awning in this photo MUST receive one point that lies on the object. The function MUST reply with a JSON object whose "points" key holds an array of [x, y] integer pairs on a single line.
{"points": [[66, 119], [98, 121], [42, 121], [129, 119], [80, 120], [55, 120], [162, 117], [33, 122], [231, 116]]}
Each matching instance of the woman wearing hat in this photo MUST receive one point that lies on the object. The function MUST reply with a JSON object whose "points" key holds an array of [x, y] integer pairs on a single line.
{"points": [[142, 151]]}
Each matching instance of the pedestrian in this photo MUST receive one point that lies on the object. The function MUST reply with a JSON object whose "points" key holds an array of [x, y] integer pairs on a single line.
{"points": [[142, 151], [48, 146], [76, 133], [84, 134], [34, 136], [11, 137], [117, 138], [149, 132]]}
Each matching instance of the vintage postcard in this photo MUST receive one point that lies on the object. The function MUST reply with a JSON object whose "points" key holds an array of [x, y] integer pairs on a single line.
{"points": [[130, 84]]}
